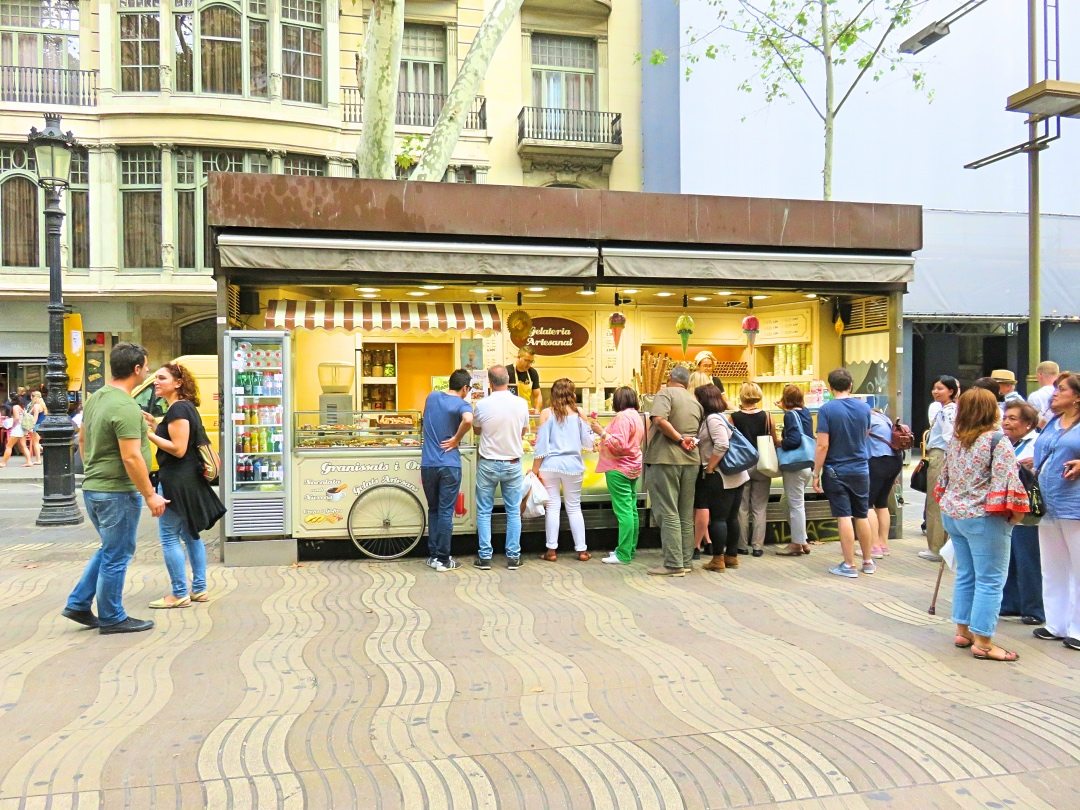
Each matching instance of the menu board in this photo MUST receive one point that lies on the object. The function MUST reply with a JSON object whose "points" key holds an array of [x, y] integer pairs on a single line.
{"points": [[329, 484]]}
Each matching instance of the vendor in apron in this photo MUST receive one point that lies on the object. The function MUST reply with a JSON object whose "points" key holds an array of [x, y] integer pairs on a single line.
{"points": [[524, 376]]}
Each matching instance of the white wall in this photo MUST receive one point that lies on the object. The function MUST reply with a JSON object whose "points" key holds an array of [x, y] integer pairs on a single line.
{"points": [[892, 145]]}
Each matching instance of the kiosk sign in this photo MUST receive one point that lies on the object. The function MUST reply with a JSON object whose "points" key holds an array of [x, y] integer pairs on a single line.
{"points": [[556, 336]]}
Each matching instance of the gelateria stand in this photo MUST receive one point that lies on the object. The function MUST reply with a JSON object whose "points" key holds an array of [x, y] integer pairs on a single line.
{"points": [[379, 289]]}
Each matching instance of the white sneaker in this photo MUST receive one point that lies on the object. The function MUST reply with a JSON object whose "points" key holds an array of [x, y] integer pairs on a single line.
{"points": [[611, 559], [437, 566], [929, 555], [868, 567]]}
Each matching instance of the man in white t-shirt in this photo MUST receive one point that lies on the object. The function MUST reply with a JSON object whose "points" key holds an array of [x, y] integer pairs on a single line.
{"points": [[500, 419], [1046, 372]]}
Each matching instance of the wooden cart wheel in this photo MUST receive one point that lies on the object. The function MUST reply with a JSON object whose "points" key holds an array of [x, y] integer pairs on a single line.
{"points": [[386, 521]]}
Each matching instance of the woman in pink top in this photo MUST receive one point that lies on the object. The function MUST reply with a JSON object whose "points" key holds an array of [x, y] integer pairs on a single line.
{"points": [[620, 462]]}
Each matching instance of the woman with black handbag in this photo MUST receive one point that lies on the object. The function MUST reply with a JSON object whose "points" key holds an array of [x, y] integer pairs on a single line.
{"points": [[716, 491], [942, 415], [193, 505]]}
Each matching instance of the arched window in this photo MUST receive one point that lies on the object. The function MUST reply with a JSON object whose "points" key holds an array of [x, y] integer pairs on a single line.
{"points": [[19, 221], [221, 47], [199, 337]]}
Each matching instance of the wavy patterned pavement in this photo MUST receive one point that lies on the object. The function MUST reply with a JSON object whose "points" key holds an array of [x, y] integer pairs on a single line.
{"points": [[352, 684]]}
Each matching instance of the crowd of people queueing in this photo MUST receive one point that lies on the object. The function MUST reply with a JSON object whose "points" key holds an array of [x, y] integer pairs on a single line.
{"points": [[20, 417], [980, 447], [698, 506]]}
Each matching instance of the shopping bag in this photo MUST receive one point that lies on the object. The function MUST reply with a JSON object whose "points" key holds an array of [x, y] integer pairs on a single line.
{"points": [[948, 554], [740, 455], [534, 501], [768, 464], [801, 458]]}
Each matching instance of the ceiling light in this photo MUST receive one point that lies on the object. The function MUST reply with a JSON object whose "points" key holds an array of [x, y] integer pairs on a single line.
{"points": [[700, 298], [810, 295], [760, 297], [664, 294], [586, 292], [536, 289], [416, 293], [724, 292], [370, 295], [479, 290], [431, 286], [367, 289], [630, 291]]}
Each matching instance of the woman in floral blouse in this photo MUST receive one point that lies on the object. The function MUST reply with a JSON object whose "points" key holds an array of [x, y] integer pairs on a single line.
{"points": [[981, 497]]}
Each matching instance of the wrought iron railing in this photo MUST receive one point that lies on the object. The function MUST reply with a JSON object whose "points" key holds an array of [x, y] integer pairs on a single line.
{"points": [[415, 109], [581, 126], [37, 85]]}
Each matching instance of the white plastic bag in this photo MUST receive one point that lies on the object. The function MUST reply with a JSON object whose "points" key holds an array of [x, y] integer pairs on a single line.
{"points": [[948, 554], [534, 500]]}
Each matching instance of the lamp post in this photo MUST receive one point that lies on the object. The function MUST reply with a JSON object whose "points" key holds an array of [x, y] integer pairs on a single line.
{"points": [[52, 160]]}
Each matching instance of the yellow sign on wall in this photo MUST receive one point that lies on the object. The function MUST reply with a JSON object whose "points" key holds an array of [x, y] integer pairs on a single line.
{"points": [[74, 350]]}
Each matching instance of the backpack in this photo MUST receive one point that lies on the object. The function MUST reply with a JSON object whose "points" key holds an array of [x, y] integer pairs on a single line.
{"points": [[27, 421], [902, 438]]}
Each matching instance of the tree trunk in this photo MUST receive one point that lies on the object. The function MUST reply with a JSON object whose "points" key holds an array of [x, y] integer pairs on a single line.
{"points": [[444, 136], [830, 102], [378, 93]]}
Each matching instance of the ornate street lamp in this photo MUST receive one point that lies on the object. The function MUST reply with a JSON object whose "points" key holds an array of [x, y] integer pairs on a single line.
{"points": [[52, 159]]}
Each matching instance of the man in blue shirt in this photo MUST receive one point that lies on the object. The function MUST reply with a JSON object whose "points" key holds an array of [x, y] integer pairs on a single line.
{"points": [[842, 470], [447, 418]]}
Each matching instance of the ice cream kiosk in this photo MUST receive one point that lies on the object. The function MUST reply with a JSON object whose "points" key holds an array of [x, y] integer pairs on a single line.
{"points": [[356, 327]]}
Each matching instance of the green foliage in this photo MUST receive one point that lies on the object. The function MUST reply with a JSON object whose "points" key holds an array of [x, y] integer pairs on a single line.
{"points": [[792, 40], [412, 149]]}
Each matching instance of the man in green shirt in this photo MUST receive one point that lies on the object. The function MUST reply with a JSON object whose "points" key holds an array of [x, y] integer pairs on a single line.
{"points": [[673, 466], [116, 458]]}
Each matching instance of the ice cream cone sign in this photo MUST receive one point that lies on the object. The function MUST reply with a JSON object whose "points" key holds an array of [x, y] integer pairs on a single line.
{"points": [[616, 323], [750, 327], [685, 327]]}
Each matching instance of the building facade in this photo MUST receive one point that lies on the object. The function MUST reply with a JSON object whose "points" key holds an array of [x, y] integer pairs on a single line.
{"points": [[161, 93]]}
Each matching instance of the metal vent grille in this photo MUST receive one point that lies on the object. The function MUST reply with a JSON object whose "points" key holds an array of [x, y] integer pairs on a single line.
{"points": [[265, 516], [232, 306], [868, 315]]}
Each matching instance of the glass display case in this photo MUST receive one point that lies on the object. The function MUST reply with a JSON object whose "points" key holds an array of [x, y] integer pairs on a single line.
{"points": [[256, 433], [357, 431]]}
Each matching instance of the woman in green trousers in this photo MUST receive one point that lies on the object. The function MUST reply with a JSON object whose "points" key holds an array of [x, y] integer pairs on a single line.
{"points": [[620, 462]]}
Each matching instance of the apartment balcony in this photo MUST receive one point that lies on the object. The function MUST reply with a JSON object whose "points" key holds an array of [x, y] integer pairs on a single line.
{"points": [[415, 109], [550, 135], [49, 86]]}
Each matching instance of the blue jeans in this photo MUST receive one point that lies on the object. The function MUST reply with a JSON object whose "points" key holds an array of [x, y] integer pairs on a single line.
{"points": [[508, 477], [1023, 587], [172, 529], [982, 563], [115, 516], [441, 485]]}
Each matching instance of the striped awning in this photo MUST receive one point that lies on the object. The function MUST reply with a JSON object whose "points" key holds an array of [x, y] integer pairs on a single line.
{"points": [[403, 315]]}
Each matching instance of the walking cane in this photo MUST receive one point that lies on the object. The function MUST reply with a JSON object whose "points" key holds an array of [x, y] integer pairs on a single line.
{"points": [[937, 587]]}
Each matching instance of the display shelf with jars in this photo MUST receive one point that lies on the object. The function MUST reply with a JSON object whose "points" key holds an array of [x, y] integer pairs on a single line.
{"points": [[784, 362], [378, 377]]}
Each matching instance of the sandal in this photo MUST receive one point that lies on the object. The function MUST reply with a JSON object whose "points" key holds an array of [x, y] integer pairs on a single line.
{"points": [[789, 552], [549, 555], [584, 556], [201, 596], [806, 548], [963, 642], [985, 654], [162, 604]]}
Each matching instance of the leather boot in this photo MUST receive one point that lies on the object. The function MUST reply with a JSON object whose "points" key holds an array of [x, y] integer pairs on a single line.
{"points": [[731, 562], [716, 564]]}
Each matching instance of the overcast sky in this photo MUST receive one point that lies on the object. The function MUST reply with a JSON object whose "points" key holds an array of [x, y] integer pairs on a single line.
{"points": [[892, 144]]}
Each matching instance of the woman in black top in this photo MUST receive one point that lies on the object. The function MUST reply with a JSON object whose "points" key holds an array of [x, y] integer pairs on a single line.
{"points": [[752, 422], [193, 505]]}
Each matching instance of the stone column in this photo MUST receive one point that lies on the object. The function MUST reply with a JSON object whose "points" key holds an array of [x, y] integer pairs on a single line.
{"points": [[105, 206], [168, 209]]}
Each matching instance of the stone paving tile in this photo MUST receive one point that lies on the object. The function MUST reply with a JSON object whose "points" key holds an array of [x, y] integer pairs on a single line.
{"points": [[567, 685]]}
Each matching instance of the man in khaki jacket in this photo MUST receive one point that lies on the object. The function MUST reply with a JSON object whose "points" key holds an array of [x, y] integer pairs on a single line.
{"points": [[672, 469]]}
